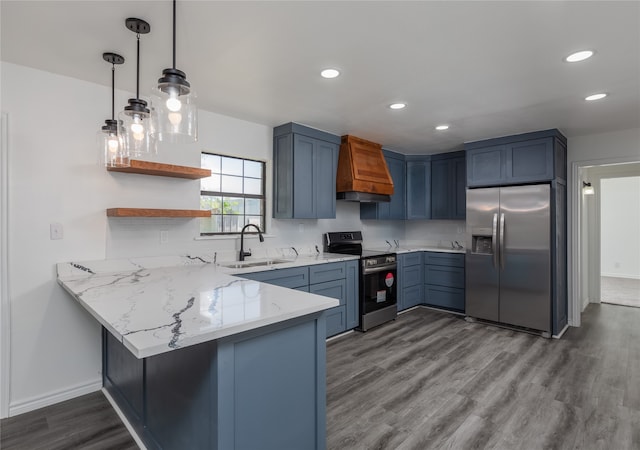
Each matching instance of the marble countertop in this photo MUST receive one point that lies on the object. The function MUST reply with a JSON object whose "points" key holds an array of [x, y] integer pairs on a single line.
{"points": [[158, 304]]}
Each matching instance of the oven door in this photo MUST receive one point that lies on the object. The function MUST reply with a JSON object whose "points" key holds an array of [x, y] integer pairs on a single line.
{"points": [[378, 287]]}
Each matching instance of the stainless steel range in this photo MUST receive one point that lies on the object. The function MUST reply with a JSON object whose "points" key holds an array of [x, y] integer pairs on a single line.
{"points": [[378, 293]]}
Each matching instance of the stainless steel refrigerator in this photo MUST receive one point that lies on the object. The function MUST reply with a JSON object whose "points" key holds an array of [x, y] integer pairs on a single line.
{"points": [[508, 257]]}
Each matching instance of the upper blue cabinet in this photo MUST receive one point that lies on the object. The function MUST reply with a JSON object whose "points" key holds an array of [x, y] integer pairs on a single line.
{"points": [[418, 187], [396, 208], [448, 186], [525, 158], [305, 161]]}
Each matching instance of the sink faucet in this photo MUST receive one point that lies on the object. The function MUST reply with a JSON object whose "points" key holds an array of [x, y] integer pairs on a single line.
{"points": [[242, 252]]}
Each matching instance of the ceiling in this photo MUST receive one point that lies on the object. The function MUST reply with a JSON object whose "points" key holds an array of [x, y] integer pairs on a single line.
{"points": [[487, 69]]}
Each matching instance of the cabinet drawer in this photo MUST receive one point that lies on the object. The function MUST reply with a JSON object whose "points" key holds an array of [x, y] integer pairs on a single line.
{"points": [[411, 276], [335, 289], [336, 320], [411, 259], [292, 278], [444, 276], [327, 272], [445, 297], [412, 296], [444, 259]]}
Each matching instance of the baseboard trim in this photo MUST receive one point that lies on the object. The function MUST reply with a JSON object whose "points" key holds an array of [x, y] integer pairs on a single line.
{"points": [[562, 332], [123, 417], [52, 398], [620, 275]]}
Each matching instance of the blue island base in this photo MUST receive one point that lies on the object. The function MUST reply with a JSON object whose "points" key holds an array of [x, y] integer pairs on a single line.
{"points": [[262, 389]]}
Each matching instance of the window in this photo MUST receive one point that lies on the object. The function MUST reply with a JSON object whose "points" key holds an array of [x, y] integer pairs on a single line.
{"points": [[234, 193]]}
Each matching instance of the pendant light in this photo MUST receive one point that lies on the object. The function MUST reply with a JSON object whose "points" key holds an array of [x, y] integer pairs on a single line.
{"points": [[136, 117], [110, 144], [173, 103]]}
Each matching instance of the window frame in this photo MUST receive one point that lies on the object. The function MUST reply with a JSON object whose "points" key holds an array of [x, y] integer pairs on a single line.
{"points": [[263, 197]]}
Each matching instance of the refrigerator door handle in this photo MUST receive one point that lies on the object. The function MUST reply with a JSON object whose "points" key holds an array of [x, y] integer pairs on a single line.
{"points": [[494, 240], [502, 241]]}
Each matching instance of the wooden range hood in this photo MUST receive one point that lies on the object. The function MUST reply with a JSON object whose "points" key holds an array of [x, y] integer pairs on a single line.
{"points": [[362, 175]]}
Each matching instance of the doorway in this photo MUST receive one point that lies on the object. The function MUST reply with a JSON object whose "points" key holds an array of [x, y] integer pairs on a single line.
{"points": [[609, 240], [620, 240]]}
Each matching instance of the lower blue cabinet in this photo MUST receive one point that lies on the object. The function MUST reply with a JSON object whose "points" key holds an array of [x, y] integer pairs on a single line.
{"points": [[336, 317], [444, 280], [410, 276], [412, 296], [336, 280], [295, 277], [445, 297], [336, 320]]}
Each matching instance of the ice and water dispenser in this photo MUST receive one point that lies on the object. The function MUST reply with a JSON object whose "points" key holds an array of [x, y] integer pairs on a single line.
{"points": [[482, 241]]}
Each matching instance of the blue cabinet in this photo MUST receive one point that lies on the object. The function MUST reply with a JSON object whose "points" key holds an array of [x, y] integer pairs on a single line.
{"points": [[396, 208], [526, 158], [444, 280], [410, 280], [260, 389], [339, 280], [294, 278], [353, 294], [448, 186], [305, 161], [418, 187], [336, 317]]}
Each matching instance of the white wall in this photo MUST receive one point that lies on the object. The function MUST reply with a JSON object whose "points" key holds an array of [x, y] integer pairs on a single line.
{"points": [[55, 350], [620, 227], [583, 152]]}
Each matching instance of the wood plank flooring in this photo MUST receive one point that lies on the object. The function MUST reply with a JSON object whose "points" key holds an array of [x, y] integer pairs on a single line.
{"points": [[87, 422], [430, 380], [620, 291]]}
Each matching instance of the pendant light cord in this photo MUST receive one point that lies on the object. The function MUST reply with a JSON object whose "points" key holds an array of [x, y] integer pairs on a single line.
{"points": [[138, 69], [174, 34], [113, 91]]}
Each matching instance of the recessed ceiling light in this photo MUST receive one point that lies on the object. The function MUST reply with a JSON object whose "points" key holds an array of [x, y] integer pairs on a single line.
{"points": [[330, 73], [397, 105], [593, 97], [579, 56], [442, 127]]}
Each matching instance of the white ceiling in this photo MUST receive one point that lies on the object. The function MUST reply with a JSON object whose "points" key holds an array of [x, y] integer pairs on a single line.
{"points": [[487, 69]]}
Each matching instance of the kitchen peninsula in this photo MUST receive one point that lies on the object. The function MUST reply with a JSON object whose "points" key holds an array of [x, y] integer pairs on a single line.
{"points": [[198, 358]]}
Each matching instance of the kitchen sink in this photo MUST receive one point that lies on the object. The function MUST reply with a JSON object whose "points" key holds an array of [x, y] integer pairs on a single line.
{"points": [[243, 264]]}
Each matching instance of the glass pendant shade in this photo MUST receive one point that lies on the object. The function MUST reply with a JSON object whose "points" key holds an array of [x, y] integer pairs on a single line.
{"points": [[111, 149], [137, 129], [110, 145], [137, 126], [173, 103]]}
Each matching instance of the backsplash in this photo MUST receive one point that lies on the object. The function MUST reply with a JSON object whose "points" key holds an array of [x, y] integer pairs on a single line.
{"points": [[142, 237]]}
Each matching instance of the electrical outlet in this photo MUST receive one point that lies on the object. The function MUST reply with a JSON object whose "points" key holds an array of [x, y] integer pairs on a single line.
{"points": [[164, 236], [56, 231]]}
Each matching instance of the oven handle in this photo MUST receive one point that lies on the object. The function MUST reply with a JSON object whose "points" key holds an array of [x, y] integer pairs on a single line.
{"points": [[366, 271]]}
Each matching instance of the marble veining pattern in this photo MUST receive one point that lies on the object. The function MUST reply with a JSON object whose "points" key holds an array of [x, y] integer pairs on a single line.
{"points": [[154, 307]]}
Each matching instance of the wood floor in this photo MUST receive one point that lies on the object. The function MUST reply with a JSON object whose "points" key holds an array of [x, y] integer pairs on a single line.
{"points": [[87, 422], [430, 380], [620, 291]]}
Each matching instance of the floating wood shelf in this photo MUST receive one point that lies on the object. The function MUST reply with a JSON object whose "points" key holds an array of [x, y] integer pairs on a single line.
{"points": [[162, 170], [145, 212]]}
